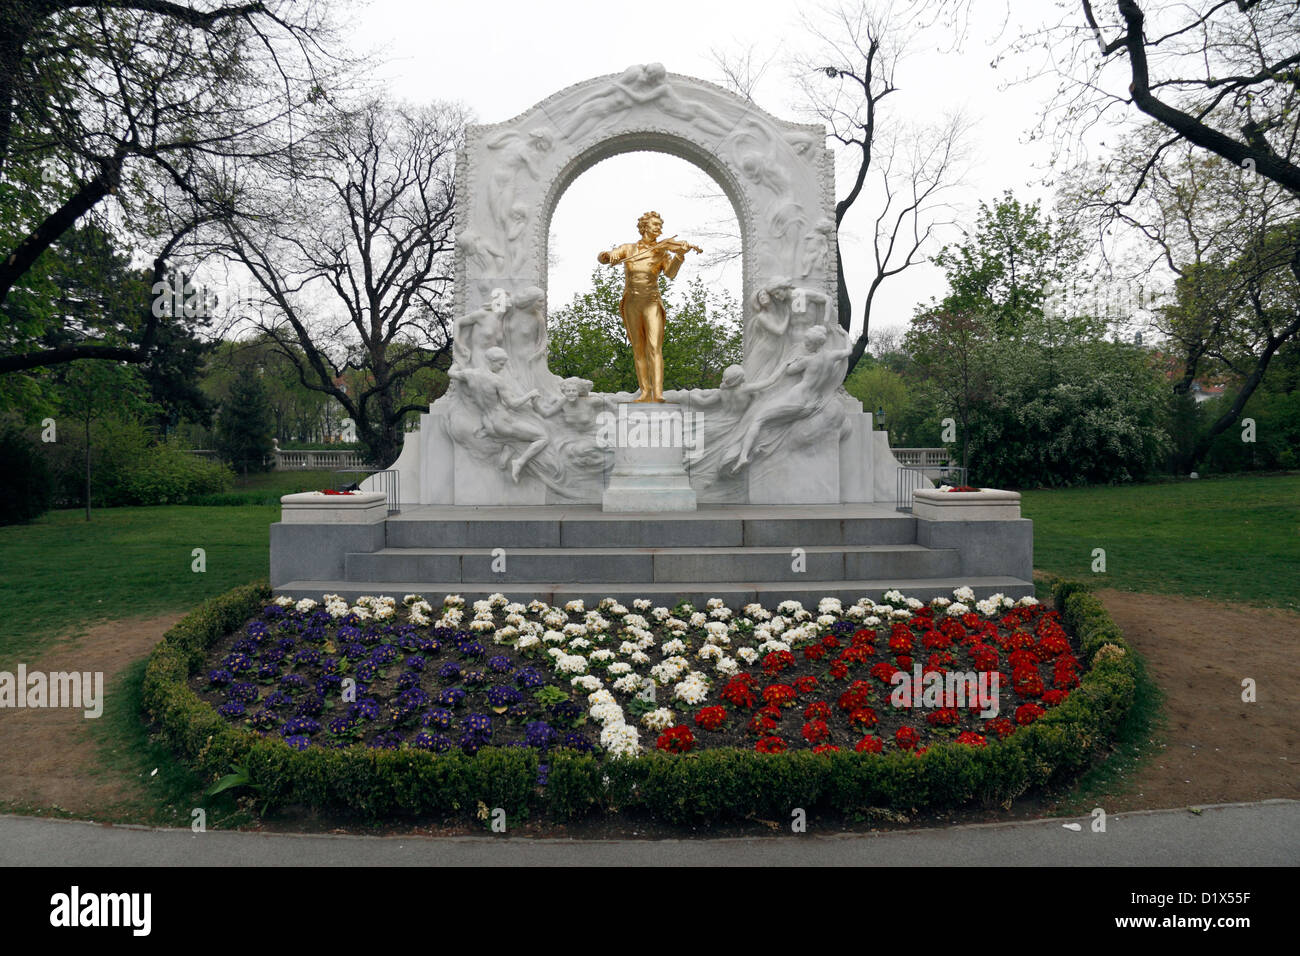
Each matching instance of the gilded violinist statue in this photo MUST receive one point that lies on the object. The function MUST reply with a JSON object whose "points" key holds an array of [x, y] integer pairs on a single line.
{"points": [[641, 307]]}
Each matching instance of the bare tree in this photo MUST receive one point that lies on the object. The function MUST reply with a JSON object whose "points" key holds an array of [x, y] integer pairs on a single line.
{"points": [[899, 171], [351, 257]]}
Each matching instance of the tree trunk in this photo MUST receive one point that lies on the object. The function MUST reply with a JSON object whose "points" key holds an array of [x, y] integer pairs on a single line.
{"points": [[87, 467]]}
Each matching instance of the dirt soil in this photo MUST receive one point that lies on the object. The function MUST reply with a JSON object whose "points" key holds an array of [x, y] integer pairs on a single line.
{"points": [[1214, 748], [49, 757]]}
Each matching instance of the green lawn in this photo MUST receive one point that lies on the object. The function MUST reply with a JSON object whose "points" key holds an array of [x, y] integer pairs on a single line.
{"points": [[1232, 539], [62, 573]]}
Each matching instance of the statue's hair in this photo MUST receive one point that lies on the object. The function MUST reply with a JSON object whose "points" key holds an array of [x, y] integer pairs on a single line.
{"points": [[646, 217], [528, 297], [496, 351], [817, 332], [583, 385], [733, 375]]}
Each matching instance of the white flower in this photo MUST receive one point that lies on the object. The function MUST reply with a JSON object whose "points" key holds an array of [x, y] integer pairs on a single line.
{"points": [[720, 613], [855, 612], [693, 690], [601, 697], [956, 609], [479, 626], [661, 613], [727, 666], [498, 600], [659, 719], [1028, 601], [710, 652], [305, 605], [747, 654], [964, 594], [639, 658], [284, 601], [675, 646], [554, 619], [600, 656], [453, 600], [898, 614], [914, 604], [587, 682], [617, 668], [635, 621], [641, 604], [698, 618], [575, 607], [538, 607], [628, 684], [894, 597], [571, 663], [526, 641], [606, 713], [579, 643], [829, 605], [514, 607], [789, 607], [620, 740], [826, 620], [553, 637]]}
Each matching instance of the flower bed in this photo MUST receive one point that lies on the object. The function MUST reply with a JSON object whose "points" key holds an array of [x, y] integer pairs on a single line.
{"points": [[385, 706]]}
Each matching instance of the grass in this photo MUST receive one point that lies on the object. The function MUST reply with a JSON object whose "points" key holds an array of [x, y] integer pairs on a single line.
{"points": [[61, 573], [1231, 539], [267, 487]]}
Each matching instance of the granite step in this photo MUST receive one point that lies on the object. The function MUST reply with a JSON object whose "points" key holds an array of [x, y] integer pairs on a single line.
{"points": [[494, 568], [735, 594]]}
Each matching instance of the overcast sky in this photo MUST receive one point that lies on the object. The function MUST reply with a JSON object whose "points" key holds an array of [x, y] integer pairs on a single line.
{"points": [[500, 58]]}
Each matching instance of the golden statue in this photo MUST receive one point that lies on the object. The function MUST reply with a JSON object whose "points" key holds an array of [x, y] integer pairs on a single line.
{"points": [[641, 307]]}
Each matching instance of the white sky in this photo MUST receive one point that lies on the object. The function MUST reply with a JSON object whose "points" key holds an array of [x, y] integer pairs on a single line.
{"points": [[500, 58]]}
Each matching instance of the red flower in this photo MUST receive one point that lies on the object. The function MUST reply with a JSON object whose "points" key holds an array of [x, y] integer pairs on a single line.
{"points": [[1028, 713], [863, 636], [900, 642], [817, 710], [870, 744], [839, 670], [770, 745], [884, 671], [906, 738], [1027, 682], [943, 717], [1002, 727], [972, 739], [781, 695], [1054, 698], [863, 717], [676, 740], [814, 652], [815, 731], [741, 691], [805, 685], [777, 661], [711, 718], [984, 656], [830, 642], [858, 695], [825, 749], [904, 662]]}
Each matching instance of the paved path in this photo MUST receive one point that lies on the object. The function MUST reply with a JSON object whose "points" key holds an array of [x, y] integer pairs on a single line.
{"points": [[1241, 834]]}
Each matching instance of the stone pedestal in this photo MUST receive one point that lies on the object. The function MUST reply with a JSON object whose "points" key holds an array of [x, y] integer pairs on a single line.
{"points": [[649, 442]]}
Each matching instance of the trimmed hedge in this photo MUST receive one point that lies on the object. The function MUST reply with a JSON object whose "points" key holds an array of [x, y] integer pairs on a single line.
{"points": [[711, 785]]}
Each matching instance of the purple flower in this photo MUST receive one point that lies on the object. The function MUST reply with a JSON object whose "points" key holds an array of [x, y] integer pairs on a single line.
{"points": [[499, 663], [298, 742], [219, 677], [438, 743], [238, 663], [450, 696], [450, 670], [503, 696], [299, 725], [437, 718], [242, 691], [231, 709], [539, 734], [528, 678]]}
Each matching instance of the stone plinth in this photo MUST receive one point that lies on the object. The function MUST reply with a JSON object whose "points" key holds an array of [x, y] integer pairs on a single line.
{"points": [[987, 504], [315, 507], [649, 442]]}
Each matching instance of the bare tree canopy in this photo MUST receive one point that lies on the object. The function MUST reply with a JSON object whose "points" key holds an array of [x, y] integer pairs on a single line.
{"points": [[350, 255]]}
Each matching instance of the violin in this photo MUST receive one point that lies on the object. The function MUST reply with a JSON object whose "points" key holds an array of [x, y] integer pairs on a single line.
{"points": [[672, 244]]}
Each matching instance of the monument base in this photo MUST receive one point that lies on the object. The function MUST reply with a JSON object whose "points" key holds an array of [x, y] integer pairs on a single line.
{"points": [[649, 464]]}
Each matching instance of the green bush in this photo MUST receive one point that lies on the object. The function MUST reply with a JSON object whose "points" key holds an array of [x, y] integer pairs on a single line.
{"points": [[26, 483], [167, 474], [708, 786]]}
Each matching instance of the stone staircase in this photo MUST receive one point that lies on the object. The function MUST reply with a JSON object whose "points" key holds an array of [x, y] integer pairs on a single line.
{"points": [[738, 553]]}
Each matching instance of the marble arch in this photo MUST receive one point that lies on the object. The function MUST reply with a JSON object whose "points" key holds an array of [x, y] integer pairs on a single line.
{"points": [[509, 432]]}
